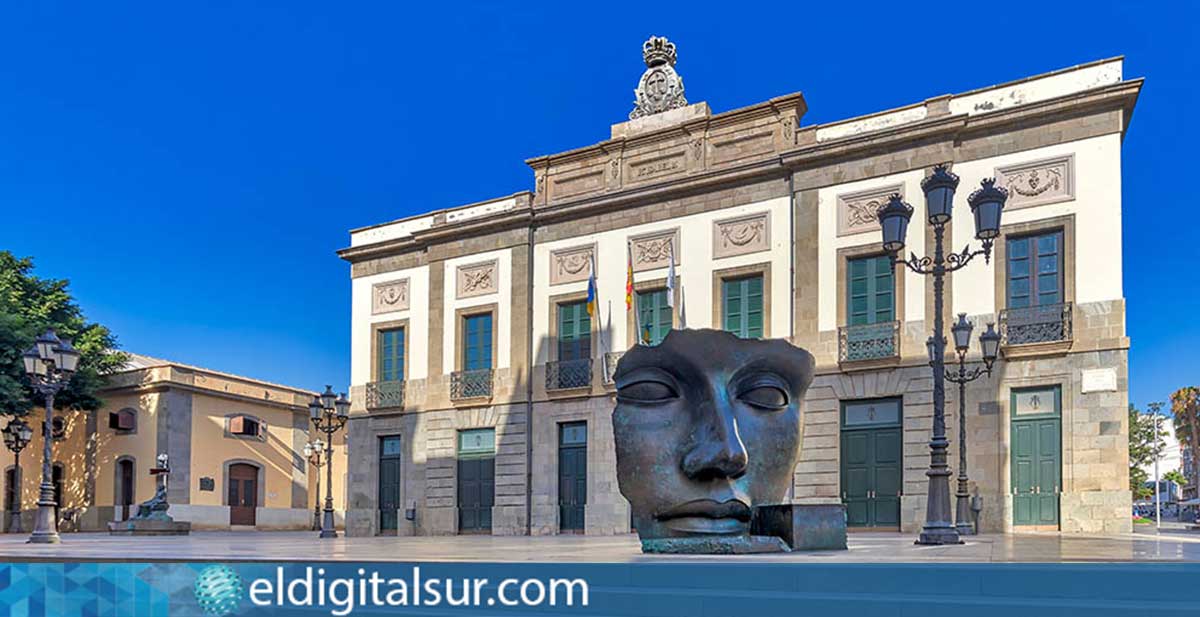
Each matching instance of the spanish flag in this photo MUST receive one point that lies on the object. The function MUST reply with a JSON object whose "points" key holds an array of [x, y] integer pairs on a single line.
{"points": [[592, 300], [629, 279]]}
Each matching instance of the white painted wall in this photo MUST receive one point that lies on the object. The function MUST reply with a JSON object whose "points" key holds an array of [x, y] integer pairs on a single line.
{"points": [[830, 243], [502, 297], [695, 271], [362, 319]]}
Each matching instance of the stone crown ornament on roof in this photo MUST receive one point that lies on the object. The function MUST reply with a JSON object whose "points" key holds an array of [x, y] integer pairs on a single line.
{"points": [[661, 88]]}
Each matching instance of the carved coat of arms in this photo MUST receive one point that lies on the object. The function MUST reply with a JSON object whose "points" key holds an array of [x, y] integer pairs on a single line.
{"points": [[661, 88]]}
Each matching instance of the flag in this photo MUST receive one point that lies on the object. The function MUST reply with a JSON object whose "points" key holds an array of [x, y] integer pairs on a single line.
{"points": [[592, 300], [628, 279], [671, 277]]}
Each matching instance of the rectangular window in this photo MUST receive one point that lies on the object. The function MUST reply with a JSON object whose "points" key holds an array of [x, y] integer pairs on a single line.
{"points": [[856, 414], [871, 291], [477, 342], [1035, 265], [742, 306], [654, 316], [390, 365], [1037, 401], [477, 442], [574, 332]]}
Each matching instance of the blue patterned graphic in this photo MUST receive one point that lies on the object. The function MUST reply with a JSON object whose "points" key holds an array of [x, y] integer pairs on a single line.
{"points": [[218, 590]]}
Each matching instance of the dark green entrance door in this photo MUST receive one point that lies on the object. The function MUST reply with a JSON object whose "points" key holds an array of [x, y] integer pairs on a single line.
{"points": [[871, 462], [572, 476], [389, 483], [1036, 438], [476, 480]]}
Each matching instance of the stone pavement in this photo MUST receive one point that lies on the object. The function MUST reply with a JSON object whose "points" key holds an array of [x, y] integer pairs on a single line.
{"points": [[1145, 545]]}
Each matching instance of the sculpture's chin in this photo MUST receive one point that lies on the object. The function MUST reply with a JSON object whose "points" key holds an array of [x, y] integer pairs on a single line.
{"points": [[701, 525]]}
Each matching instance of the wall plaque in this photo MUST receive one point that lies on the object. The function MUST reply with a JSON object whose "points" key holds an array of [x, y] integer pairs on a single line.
{"points": [[571, 264], [1099, 380], [389, 297], [1039, 182], [654, 251], [208, 484], [742, 235], [477, 279], [856, 212]]}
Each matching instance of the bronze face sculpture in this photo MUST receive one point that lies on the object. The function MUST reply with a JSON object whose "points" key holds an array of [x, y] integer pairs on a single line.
{"points": [[707, 427]]}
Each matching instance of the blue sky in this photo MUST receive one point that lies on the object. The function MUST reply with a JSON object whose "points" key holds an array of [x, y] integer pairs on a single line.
{"points": [[193, 169]]}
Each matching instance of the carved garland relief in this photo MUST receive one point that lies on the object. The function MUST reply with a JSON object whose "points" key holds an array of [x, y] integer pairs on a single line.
{"points": [[1039, 182], [742, 235], [856, 212], [571, 265], [476, 280], [654, 251], [389, 297]]}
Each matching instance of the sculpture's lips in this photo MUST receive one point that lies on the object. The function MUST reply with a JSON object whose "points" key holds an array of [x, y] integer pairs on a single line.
{"points": [[706, 516]]}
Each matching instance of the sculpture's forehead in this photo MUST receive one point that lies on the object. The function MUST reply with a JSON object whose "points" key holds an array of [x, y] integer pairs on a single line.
{"points": [[715, 352]]}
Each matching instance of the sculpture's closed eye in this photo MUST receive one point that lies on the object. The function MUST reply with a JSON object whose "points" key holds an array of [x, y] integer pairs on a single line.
{"points": [[647, 391], [766, 395]]}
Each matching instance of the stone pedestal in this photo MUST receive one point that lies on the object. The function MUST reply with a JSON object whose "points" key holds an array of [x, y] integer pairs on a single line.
{"points": [[149, 527]]}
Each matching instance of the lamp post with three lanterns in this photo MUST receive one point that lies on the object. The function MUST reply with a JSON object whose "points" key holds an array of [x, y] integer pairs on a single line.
{"points": [[49, 364], [329, 412]]}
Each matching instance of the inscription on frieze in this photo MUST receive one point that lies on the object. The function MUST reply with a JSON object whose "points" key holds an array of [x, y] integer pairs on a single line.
{"points": [[857, 212], [1039, 182], [477, 280], [742, 235], [389, 297]]}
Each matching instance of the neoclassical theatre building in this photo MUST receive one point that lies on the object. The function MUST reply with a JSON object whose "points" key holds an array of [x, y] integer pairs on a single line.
{"points": [[482, 385]]}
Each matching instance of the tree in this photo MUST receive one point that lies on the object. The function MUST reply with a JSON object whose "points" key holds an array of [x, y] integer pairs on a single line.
{"points": [[1185, 407], [1175, 476], [28, 306], [1144, 442]]}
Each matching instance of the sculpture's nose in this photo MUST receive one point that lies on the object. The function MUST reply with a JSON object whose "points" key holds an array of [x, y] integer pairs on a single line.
{"points": [[717, 450]]}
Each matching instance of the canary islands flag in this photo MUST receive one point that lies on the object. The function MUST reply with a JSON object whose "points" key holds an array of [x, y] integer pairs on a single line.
{"points": [[592, 300]]}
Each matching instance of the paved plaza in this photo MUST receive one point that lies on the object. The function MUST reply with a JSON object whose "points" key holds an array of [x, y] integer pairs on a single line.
{"points": [[1145, 545]]}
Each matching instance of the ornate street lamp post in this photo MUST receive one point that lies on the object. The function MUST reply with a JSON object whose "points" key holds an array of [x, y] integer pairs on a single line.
{"points": [[986, 204], [49, 365], [989, 345], [17, 435], [329, 412], [313, 451]]}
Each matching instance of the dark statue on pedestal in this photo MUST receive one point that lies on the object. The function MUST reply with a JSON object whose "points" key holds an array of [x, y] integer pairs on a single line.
{"points": [[707, 428], [152, 518]]}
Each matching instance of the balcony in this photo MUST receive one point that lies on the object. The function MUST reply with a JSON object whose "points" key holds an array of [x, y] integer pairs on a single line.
{"points": [[385, 395], [1044, 328], [877, 343], [610, 365], [568, 374], [471, 384]]}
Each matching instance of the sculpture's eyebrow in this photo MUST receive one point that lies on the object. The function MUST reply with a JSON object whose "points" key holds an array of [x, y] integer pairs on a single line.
{"points": [[676, 366]]}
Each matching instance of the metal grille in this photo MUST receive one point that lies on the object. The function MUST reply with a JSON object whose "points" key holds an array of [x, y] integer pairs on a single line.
{"points": [[610, 365], [869, 341], [1047, 323], [566, 374], [471, 384], [385, 394]]}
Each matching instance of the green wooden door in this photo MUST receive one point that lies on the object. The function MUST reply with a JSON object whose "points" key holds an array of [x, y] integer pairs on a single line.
{"points": [[389, 483], [574, 332], [572, 476], [654, 316], [476, 480], [477, 342], [871, 291], [871, 459], [1036, 438], [742, 306]]}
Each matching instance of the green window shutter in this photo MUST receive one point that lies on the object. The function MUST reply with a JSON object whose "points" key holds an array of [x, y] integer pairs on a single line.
{"points": [[390, 363], [1035, 265], [742, 306], [477, 343], [654, 313], [574, 331], [870, 291]]}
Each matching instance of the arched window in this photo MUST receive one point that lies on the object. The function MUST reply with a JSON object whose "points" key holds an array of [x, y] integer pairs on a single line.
{"points": [[124, 421]]}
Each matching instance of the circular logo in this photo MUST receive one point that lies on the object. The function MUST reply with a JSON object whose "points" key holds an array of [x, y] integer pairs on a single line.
{"points": [[218, 590]]}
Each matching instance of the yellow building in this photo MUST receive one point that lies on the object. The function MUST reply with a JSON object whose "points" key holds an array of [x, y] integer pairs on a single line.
{"points": [[235, 447]]}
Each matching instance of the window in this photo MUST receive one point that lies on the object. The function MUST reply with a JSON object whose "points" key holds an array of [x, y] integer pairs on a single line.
{"points": [[477, 342], [123, 421], [870, 291], [245, 426], [390, 363], [1035, 266], [742, 306], [654, 316], [574, 332]]}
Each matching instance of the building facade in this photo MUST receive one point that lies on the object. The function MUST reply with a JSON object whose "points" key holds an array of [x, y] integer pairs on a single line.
{"points": [[481, 382], [235, 447]]}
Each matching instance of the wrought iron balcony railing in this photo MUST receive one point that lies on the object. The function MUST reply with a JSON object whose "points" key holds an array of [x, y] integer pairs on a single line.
{"points": [[567, 374], [385, 394], [471, 384], [1048, 323], [610, 365], [877, 341]]}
